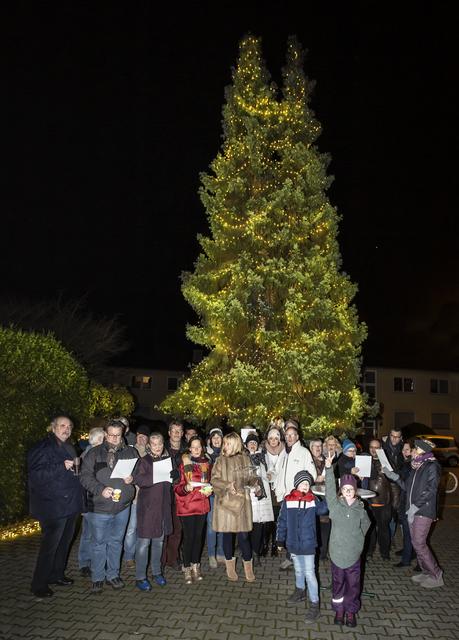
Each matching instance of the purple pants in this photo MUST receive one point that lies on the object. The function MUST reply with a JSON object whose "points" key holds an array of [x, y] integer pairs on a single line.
{"points": [[346, 588], [419, 530]]}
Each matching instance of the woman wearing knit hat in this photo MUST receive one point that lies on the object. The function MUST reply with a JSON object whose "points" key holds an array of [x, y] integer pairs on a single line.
{"points": [[214, 539], [296, 530], [350, 524], [421, 509], [346, 461]]}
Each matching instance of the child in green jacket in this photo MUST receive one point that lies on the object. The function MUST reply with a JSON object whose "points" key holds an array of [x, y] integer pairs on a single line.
{"points": [[350, 524]]}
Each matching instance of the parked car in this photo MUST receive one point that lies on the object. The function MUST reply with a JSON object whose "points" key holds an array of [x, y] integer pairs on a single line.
{"points": [[446, 449]]}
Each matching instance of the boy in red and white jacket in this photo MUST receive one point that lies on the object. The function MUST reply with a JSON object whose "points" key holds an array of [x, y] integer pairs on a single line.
{"points": [[296, 530]]}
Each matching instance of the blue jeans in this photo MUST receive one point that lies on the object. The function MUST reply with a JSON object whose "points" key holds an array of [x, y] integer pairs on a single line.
{"points": [[214, 539], [107, 534], [131, 534], [84, 550], [305, 571], [141, 556]]}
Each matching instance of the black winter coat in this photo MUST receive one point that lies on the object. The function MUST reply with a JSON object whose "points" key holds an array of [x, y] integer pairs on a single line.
{"points": [[54, 491], [422, 488], [95, 476]]}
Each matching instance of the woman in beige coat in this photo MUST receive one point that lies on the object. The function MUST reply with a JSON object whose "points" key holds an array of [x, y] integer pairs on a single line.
{"points": [[231, 475]]}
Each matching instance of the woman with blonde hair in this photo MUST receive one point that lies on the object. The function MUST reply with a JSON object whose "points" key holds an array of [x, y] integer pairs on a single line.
{"points": [[232, 477]]}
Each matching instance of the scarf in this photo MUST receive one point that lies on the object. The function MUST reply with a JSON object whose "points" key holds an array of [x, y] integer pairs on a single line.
{"points": [[319, 464], [274, 451], [199, 464], [111, 451], [417, 461], [299, 495]]}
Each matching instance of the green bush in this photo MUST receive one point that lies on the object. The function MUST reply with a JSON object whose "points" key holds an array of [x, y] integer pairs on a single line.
{"points": [[38, 377]]}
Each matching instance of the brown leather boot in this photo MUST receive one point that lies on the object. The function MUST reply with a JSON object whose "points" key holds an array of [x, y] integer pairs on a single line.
{"points": [[196, 572], [231, 569], [248, 570]]}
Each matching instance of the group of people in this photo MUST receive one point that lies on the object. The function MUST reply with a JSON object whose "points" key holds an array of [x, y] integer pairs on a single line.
{"points": [[268, 494]]}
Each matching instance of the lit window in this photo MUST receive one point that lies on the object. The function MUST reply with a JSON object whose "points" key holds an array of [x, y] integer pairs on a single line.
{"points": [[141, 382]]}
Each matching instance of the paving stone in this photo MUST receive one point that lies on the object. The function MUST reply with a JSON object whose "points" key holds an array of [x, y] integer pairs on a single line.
{"points": [[219, 610]]}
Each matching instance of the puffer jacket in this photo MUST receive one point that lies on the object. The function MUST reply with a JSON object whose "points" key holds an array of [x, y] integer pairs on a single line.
{"points": [[349, 525], [192, 503], [422, 488], [296, 525]]}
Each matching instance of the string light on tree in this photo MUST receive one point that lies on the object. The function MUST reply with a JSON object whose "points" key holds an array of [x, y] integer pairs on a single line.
{"points": [[274, 307]]}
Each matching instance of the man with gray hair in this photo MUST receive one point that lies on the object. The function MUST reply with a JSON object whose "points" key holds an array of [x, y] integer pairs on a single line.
{"points": [[56, 500]]}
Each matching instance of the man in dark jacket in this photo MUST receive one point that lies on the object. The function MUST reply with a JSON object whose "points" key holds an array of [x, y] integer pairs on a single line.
{"points": [[392, 447], [108, 505], [380, 505], [421, 509], [56, 500], [175, 446]]}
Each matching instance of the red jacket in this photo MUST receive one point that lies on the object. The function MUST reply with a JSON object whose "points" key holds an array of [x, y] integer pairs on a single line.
{"points": [[192, 503]]}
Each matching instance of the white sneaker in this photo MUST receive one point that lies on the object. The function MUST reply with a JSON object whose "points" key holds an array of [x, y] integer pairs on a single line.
{"points": [[432, 583]]}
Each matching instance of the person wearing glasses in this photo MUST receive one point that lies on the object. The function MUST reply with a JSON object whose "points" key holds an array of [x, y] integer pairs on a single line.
{"points": [[108, 505]]}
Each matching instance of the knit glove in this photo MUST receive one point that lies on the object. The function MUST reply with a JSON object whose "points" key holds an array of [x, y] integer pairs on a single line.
{"points": [[390, 474], [411, 513]]}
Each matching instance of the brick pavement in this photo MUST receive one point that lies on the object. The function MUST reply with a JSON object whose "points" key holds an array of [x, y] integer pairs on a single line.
{"points": [[218, 610]]}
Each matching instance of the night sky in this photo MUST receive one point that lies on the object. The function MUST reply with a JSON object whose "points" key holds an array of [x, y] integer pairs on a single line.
{"points": [[113, 109]]}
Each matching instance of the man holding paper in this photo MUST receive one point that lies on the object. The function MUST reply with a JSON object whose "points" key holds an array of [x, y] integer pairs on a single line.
{"points": [[380, 505], [106, 474]]}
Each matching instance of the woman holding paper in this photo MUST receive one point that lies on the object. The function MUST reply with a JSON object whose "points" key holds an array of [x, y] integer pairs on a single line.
{"points": [[192, 503], [154, 511]]}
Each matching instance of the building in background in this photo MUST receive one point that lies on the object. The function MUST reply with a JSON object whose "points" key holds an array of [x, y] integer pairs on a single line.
{"points": [[148, 386], [412, 395]]}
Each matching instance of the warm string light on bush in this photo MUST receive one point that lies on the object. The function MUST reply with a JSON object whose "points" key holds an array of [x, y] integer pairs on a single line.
{"points": [[19, 530]]}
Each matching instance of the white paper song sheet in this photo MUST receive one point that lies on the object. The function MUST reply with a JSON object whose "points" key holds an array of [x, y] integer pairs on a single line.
{"points": [[383, 459], [363, 463], [162, 471], [124, 468]]}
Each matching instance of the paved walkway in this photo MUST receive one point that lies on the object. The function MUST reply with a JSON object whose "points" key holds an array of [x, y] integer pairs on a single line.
{"points": [[394, 606]]}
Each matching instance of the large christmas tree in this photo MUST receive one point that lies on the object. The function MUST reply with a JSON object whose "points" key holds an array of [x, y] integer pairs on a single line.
{"points": [[274, 308]]}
